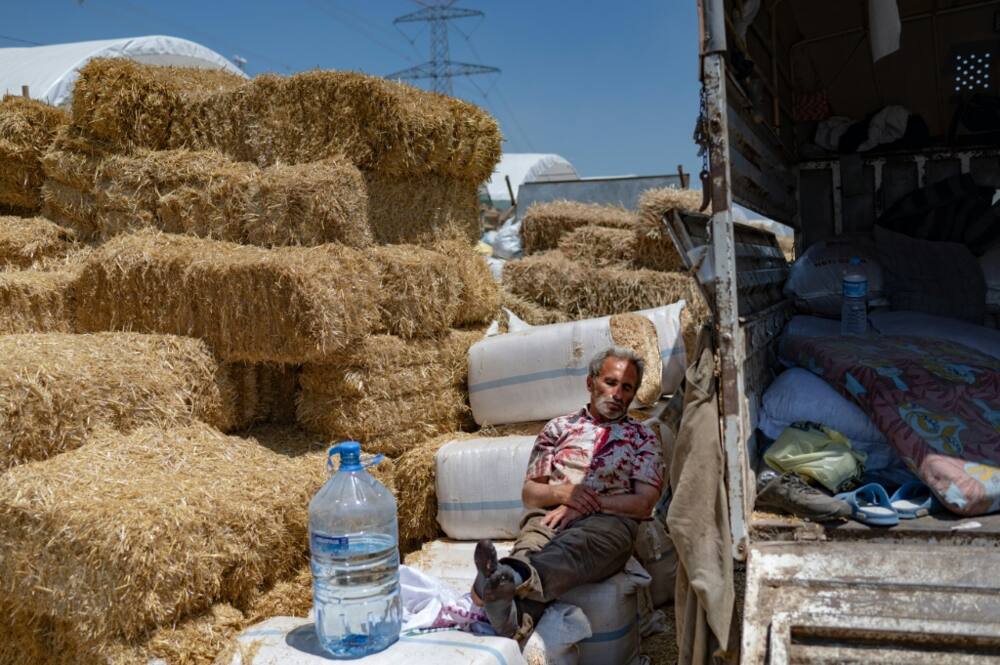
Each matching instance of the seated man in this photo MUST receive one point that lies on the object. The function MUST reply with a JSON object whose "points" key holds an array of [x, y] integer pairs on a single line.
{"points": [[592, 476]]}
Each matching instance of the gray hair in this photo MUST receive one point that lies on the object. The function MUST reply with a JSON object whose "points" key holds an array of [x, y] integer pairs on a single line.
{"points": [[622, 353]]}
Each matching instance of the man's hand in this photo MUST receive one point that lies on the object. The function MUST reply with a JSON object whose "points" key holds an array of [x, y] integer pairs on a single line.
{"points": [[561, 517], [580, 498]]}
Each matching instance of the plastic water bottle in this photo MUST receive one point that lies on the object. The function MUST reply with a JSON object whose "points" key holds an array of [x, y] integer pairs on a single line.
{"points": [[353, 539], [854, 310]]}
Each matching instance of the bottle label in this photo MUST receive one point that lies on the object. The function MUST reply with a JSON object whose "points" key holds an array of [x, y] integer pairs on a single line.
{"points": [[855, 289], [320, 544]]}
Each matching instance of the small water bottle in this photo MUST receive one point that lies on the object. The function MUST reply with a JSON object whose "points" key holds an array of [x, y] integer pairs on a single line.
{"points": [[353, 540], [854, 310]]}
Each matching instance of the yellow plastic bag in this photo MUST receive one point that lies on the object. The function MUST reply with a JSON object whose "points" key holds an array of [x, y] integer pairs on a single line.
{"points": [[818, 452]]}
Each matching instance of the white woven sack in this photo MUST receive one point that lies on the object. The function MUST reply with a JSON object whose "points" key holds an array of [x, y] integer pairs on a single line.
{"points": [[479, 486]]}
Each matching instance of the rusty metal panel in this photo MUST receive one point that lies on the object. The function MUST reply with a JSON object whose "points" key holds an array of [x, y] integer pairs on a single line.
{"points": [[819, 601]]}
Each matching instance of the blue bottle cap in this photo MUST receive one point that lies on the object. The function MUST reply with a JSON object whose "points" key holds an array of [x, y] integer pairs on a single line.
{"points": [[855, 261], [350, 455]]}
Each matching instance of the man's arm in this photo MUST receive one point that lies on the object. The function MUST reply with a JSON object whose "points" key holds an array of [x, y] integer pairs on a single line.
{"points": [[638, 505], [537, 493]]}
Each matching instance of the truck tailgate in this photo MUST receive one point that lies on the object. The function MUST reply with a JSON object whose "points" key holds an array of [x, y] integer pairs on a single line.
{"points": [[871, 602]]}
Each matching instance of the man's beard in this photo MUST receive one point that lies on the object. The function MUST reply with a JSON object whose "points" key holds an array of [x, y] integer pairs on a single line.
{"points": [[608, 408]]}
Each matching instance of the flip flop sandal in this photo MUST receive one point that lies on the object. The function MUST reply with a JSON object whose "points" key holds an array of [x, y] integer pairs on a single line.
{"points": [[912, 499], [870, 504]]}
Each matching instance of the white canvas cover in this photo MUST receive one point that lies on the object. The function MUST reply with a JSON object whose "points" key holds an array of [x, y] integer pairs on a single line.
{"points": [[51, 71], [527, 167]]}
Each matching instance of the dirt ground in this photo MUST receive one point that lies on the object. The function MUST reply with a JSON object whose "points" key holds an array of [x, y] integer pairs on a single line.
{"points": [[662, 648]]}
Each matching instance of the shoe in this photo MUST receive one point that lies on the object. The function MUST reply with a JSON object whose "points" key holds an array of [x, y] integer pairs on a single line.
{"points": [[789, 493], [870, 504]]}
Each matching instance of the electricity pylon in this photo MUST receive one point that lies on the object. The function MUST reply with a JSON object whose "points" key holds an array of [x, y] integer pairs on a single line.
{"points": [[440, 68]]}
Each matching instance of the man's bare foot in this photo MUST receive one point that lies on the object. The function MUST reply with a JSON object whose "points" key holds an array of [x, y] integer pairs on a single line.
{"points": [[498, 598]]}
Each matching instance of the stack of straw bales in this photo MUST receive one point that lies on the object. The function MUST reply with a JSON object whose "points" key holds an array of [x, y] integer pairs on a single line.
{"points": [[25, 241], [388, 392], [217, 265], [587, 260], [27, 128], [56, 389], [545, 223], [422, 156], [153, 526]]}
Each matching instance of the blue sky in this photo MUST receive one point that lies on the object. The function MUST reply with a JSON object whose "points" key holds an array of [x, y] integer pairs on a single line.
{"points": [[611, 86]]}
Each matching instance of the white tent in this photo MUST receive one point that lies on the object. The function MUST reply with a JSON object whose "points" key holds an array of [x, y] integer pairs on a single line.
{"points": [[526, 167], [51, 71]]}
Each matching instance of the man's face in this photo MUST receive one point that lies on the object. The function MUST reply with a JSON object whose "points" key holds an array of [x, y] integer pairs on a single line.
{"points": [[613, 389]]}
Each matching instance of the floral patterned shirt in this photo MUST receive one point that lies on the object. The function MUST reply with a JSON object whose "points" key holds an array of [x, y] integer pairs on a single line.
{"points": [[608, 456]]}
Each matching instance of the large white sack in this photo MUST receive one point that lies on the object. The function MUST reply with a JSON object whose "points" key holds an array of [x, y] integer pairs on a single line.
{"points": [[815, 279], [291, 641], [667, 320], [479, 486], [537, 373], [556, 639], [612, 607], [917, 324], [798, 395]]}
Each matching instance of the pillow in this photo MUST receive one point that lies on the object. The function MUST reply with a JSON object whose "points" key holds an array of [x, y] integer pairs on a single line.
{"points": [[940, 278]]}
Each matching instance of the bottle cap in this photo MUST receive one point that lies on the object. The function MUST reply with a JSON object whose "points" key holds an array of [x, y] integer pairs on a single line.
{"points": [[350, 455], [855, 261]]}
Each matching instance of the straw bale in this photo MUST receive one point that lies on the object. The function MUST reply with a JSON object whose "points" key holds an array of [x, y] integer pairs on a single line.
{"points": [[394, 367], [153, 526], [552, 280], [413, 209], [55, 389], [389, 426], [599, 246], [416, 478], [531, 428], [207, 194], [420, 292], [74, 159], [530, 312], [36, 301], [201, 193], [638, 333], [71, 208], [480, 301], [288, 304], [310, 204], [263, 393], [379, 125], [27, 127], [24, 241], [653, 248], [129, 105], [545, 223]]}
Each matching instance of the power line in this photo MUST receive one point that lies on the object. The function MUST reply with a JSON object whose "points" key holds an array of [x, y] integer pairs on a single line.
{"points": [[338, 14]]}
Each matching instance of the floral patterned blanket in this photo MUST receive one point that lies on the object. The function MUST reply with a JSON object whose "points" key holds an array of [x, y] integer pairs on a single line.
{"points": [[937, 402]]}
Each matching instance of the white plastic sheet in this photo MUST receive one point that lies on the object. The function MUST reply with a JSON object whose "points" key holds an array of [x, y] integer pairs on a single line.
{"points": [[479, 486], [51, 71], [290, 641]]}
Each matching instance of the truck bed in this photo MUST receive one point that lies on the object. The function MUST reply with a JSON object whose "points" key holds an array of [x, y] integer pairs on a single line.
{"points": [[940, 527]]}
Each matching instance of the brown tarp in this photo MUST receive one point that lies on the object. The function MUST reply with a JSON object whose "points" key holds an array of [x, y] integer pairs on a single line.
{"points": [[698, 519]]}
